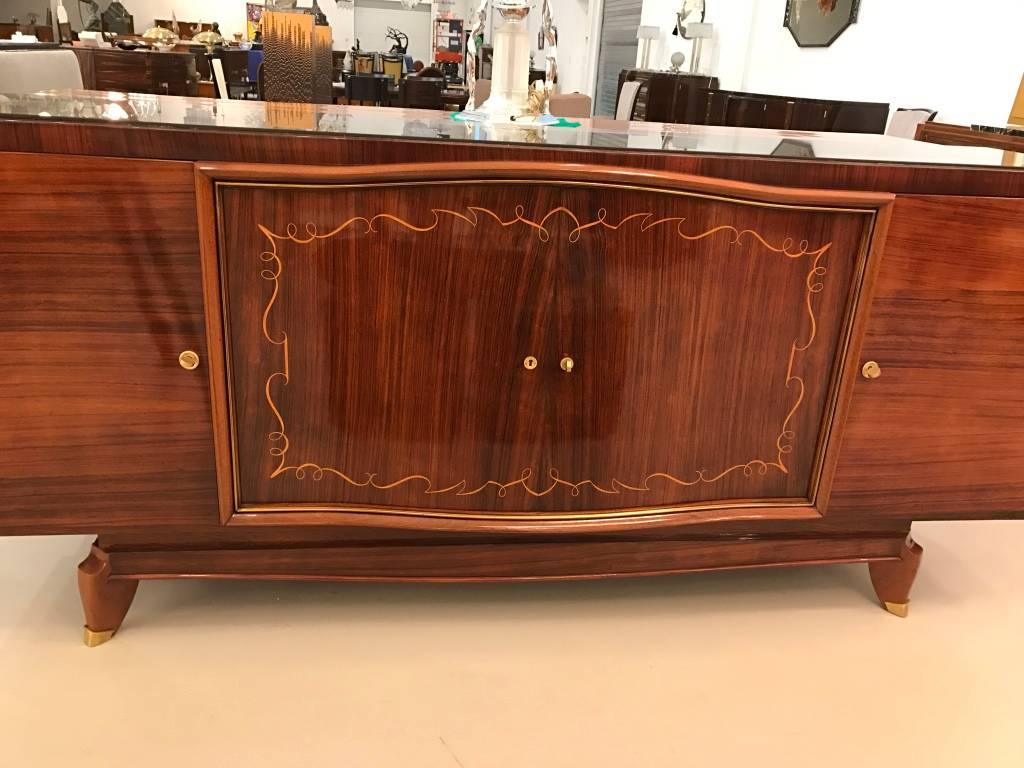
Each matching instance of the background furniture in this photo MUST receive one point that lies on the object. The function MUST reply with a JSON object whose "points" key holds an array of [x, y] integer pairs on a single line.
{"points": [[904, 121], [363, 63], [422, 92], [668, 97], [570, 105], [42, 32], [170, 73], [25, 71], [474, 462], [1009, 139], [367, 89], [629, 92], [199, 53], [393, 66], [338, 64], [297, 58], [482, 90], [236, 66], [758, 110], [186, 29]]}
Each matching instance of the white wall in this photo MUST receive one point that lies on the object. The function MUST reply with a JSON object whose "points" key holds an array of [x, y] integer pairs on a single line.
{"points": [[372, 19], [905, 52], [573, 22]]}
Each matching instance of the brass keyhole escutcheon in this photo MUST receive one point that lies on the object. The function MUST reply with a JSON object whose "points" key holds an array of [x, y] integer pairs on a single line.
{"points": [[530, 363], [871, 370], [567, 364], [188, 360]]}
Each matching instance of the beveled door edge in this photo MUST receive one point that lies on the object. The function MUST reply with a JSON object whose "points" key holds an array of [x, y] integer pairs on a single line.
{"points": [[848, 361], [207, 213]]}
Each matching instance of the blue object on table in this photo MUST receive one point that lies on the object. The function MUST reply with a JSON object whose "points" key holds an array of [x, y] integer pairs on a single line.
{"points": [[254, 61]]}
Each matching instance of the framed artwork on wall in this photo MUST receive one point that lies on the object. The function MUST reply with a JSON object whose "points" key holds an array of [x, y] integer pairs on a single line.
{"points": [[819, 23]]}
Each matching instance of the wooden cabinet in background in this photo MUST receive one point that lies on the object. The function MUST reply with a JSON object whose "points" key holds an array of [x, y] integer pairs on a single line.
{"points": [[678, 97], [669, 97], [170, 73]]}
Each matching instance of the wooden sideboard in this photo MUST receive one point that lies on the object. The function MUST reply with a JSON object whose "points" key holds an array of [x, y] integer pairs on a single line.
{"points": [[1010, 139], [669, 97], [678, 97], [340, 357], [171, 73]]}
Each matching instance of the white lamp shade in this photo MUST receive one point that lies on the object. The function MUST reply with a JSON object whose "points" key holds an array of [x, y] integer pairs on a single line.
{"points": [[697, 31], [647, 33]]}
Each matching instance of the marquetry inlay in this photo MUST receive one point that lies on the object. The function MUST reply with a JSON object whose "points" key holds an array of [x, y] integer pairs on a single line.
{"points": [[530, 482]]}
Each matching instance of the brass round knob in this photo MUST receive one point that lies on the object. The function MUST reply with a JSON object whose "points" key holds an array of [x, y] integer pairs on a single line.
{"points": [[530, 363], [871, 370], [567, 364], [188, 360]]}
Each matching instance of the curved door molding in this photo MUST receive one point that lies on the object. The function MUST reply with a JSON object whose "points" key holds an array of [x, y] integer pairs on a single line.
{"points": [[373, 336]]}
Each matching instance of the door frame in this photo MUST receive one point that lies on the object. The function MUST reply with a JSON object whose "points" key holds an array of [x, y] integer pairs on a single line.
{"points": [[876, 206]]}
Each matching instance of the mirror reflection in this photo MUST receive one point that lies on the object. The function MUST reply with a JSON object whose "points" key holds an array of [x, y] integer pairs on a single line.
{"points": [[861, 66]]}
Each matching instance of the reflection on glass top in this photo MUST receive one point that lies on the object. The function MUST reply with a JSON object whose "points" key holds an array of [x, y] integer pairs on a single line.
{"points": [[380, 122]]}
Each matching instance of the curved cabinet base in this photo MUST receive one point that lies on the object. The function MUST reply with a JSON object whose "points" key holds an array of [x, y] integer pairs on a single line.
{"points": [[109, 576]]}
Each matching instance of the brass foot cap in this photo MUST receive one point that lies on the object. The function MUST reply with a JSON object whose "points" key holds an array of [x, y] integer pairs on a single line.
{"points": [[897, 609], [93, 638]]}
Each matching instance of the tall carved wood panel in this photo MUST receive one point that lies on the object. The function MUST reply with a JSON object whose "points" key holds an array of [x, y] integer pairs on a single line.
{"points": [[376, 339]]}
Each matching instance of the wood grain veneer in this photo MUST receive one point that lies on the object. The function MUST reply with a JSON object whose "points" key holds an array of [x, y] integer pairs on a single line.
{"points": [[941, 433], [282, 147], [103, 286], [416, 412], [100, 291]]}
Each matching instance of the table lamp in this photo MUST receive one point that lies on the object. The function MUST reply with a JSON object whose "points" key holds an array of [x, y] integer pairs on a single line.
{"points": [[698, 32], [647, 33]]}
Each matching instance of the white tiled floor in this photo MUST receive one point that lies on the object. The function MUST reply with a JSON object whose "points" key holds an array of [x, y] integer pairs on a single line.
{"points": [[786, 667]]}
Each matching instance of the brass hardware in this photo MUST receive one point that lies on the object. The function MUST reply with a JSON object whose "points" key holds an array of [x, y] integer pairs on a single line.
{"points": [[188, 360], [530, 363], [898, 609], [567, 364], [93, 638], [871, 370]]}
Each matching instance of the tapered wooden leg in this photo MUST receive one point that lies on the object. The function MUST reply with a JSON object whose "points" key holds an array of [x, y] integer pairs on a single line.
{"points": [[892, 579], [104, 600]]}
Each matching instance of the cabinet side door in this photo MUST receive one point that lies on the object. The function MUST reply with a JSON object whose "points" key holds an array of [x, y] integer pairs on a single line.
{"points": [[100, 292]]}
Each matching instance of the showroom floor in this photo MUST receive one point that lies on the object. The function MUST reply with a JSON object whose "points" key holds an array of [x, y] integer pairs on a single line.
{"points": [[785, 667]]}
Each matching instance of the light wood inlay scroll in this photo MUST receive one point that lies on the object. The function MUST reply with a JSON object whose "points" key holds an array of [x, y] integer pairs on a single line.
{"points": [[273, 272]]}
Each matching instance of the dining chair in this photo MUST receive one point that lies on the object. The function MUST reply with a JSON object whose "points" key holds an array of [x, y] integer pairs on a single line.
{"points": [[904, 121], [362, 63], [393, 67], [570, 105], [28, 71], [367, 89], [626, 104], [481, 91]]}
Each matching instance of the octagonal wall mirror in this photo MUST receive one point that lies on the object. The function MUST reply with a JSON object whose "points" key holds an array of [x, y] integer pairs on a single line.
{"points": [[818, 23]]}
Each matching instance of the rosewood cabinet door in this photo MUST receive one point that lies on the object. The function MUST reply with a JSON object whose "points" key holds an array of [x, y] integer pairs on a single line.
{"points": [[512, 345]]}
